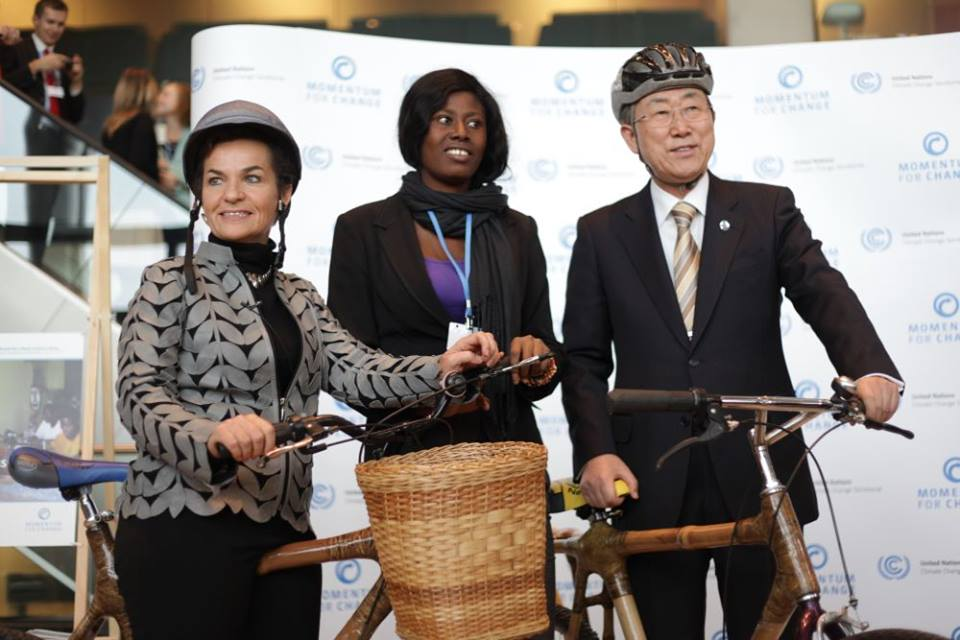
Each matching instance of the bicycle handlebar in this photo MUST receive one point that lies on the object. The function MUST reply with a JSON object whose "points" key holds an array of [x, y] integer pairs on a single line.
{"points": [[627, 401]]}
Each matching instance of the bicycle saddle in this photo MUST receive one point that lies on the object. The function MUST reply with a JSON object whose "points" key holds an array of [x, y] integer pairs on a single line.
{"points": [[47, 470]]}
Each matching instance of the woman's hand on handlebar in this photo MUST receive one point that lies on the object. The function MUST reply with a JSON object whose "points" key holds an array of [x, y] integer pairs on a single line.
{"points": [[598, 476], [880, 397], [475, 350], [246, 436]]}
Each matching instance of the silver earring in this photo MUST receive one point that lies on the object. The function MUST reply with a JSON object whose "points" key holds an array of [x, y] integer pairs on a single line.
{"points": [[279, 206]]}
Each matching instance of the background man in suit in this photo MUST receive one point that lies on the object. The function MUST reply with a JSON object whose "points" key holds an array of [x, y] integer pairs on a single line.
{"points": [[55, 81], [684, 279]]}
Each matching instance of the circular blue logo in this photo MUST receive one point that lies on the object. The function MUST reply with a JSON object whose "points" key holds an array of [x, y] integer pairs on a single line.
{"points": [[317, 157], [935, 143], [946, 305], [956, 634], [951, 469], [768, 167], [719, 635], [566, 81], [344, 67], [876, 239], [348, 571], [786, 323], [865, 82], [893, 567], [818, 556], [197, 76], [807, 389], [43, 513], [324, 495], [568, 235], [790, 77], [543, 170]]}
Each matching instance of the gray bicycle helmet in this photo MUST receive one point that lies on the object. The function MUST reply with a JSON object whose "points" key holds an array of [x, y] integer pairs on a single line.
{"points": [[661, 66], [263, 124]]}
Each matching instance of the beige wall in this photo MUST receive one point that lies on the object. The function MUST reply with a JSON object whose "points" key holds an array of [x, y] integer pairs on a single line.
{"points": [[525, 17], [883, 18]]}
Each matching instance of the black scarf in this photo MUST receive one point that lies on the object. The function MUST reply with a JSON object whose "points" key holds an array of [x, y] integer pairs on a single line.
{"points": [[492, 275]]}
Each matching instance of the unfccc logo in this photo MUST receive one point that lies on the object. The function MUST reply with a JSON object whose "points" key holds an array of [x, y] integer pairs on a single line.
{"points": [[343, 67], [543, 170], [951, 469], [893, 567], [719, 635], [935, 143], [315, 157], [43, 513], [324, 496], [876, 239], [197, 76], [566, 81], [790, 77], [807, 389], [768, 167], [568, 235], [956, 634], [865, 82], [348, 571], [818, 556], [946, 305]]}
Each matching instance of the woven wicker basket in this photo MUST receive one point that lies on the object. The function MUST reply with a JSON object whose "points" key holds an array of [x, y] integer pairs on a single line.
{"points": [[461, 534]]}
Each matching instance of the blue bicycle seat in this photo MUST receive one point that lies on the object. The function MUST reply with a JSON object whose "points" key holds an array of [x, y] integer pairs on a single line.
{"points": [[47, 470]]}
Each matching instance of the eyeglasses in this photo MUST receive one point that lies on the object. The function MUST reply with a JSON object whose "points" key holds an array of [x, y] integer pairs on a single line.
{"points": [[663, 118]]}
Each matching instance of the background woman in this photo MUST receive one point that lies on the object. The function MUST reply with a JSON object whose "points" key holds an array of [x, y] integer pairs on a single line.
{"points": [[172, 112], [216, 346], [128, 131], [399, 270]]}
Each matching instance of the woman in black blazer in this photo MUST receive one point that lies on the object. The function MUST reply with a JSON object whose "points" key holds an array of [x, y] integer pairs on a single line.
{"points": [[128, 130], [393, 282]]}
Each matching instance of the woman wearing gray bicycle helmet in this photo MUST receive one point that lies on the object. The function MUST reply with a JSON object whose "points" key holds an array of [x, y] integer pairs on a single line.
{"points": [[216, 346]]}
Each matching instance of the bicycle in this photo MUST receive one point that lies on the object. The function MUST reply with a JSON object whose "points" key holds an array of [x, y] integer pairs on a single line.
{"points": [[602, 549], [75, 478]]}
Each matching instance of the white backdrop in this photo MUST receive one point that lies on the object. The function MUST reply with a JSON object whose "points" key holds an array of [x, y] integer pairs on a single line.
{"points": [[866, 133]]}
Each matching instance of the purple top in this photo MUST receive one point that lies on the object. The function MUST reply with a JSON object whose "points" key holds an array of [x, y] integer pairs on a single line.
{"points": [[447, 285]]}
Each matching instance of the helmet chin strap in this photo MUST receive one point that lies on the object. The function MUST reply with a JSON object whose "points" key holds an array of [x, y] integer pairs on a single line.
{"points": [[686, 186]]}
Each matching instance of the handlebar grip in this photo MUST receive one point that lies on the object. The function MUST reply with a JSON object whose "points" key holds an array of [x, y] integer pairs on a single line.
{"points": [[628, 401], [224, 452], [883, 426], [283, 432]]}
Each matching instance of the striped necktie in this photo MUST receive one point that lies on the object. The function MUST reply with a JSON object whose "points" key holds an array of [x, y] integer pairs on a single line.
{"points": [[686, 263]]}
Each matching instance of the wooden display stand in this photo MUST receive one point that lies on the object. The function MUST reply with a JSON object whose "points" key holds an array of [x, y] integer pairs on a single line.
{"points": [[98, 355]]}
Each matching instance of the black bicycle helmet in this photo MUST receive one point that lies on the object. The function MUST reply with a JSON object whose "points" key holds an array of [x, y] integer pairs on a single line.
{"points": [[236, 113], [661, 66]]}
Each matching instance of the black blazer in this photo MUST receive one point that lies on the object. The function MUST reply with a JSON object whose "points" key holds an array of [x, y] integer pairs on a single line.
{"points": [[14, 61], [381, 293], [136, 142], [619, 292]]}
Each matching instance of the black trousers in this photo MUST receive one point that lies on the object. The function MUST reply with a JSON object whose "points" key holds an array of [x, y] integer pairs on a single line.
{"points": [[195, 577], [670, 588]]}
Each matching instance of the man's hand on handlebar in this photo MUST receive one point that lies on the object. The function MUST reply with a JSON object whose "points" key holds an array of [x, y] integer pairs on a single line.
{"points": [[880, 397], [475, 350], [598, 477], [246, 436]]}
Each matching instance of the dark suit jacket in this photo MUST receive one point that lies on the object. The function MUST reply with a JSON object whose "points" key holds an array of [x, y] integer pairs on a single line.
{"points": [[381, 293], [14, 61], [619, 292]]}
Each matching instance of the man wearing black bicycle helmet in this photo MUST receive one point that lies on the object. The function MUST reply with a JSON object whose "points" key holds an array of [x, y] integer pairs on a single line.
{"points": [[684, 280]]}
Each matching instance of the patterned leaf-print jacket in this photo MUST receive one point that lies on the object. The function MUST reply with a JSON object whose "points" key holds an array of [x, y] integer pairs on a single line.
{"points": [[188, 362]]}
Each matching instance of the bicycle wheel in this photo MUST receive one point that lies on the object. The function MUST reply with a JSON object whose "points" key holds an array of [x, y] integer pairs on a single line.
{"points": [[562, 623], [896, 634]]}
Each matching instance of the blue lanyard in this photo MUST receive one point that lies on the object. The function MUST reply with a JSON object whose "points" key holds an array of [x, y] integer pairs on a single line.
{"points": [[464, 276]]}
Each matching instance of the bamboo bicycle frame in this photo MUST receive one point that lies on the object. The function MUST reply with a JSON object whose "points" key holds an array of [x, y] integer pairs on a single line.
{"points": [[602, 549]]}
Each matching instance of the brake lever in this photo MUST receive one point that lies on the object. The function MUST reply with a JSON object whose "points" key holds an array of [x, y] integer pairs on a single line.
{"points": [[716, 427]]}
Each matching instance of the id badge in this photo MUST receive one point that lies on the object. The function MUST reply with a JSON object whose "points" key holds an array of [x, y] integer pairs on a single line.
{"points": [[456, 331], [54, 91]]}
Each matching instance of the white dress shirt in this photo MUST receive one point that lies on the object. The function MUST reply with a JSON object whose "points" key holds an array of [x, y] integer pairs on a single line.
{"points": [[663, 204]]}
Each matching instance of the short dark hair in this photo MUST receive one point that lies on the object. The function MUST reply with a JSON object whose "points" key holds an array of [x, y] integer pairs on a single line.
{"points": [[427, 96], [283, 165], [53, 5]]}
